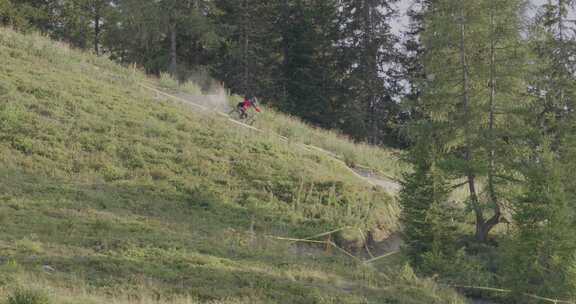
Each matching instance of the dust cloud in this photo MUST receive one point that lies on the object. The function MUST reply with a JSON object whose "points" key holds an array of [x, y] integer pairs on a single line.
{"points": [[202, 90]]}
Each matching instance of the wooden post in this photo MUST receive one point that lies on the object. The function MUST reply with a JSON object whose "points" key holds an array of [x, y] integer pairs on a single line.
{"points": [[328, 245]]}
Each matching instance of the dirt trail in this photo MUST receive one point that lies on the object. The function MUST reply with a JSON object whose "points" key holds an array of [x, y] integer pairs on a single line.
{"points": [[390, 186]]}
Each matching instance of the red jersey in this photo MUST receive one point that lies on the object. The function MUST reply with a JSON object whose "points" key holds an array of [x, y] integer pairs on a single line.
{"points": [[247, 103]]}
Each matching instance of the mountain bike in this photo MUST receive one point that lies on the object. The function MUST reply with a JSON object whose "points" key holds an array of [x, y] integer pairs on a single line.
{"points": [[248, 117]]}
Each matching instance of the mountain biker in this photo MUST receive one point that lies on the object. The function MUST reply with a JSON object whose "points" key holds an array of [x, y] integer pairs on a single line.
{"points": [[244, 106]]}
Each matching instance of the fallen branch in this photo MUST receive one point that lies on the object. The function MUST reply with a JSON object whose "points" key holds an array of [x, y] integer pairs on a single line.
{"points": [[326, 233], [381, 257], [330, 243], [295, 240]]}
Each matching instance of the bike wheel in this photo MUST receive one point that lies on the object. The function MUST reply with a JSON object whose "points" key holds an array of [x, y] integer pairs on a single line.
{"points": [[235, 114], [250, 120]]}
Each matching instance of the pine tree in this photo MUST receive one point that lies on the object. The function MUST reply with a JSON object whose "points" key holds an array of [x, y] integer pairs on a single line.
{"points": [[554, 43], [369, 55], [283, 51], [161, 32], [82, 22], [413, 66], [541, 254], [309, 30], [248, 58], [97, 10], [26, 14], [423, 199], [187, 20]]}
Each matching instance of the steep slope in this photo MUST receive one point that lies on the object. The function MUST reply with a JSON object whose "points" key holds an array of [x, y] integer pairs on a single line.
{"points": [[107, 193]]}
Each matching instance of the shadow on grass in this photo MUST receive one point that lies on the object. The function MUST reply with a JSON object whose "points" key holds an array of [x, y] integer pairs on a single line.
{"points": [[167, 278]]}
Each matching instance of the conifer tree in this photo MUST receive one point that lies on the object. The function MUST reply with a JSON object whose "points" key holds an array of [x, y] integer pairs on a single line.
{"points": [[94, 14], [160, 32], [10, 15], [541, 253], [40, 14], [79, 22], [309, 75], [472, 52], [82, 22], [369, 55], [413, 66], [283, 51], [423, 199], [540, 257], [247, 59], [554, 44]]}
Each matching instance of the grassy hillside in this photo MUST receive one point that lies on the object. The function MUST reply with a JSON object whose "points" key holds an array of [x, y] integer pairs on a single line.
{"points": [[384, 162], [107, 194]]}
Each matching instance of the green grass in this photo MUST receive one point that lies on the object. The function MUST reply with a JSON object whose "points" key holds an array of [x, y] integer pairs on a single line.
{"points": [[28, 296], [168, 82], [132, 200], [383, 161], [191, 88]]}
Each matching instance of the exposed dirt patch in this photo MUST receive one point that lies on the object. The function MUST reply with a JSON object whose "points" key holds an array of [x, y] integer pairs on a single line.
{"points": [[389, 185]]}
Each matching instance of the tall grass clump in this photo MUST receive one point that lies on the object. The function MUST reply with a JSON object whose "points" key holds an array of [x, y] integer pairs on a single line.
{"points": [[190, 87], [28, 296], [168, 82]]}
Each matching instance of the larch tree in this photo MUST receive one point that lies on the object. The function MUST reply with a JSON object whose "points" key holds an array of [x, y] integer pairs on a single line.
{"points": [[472, 93]]}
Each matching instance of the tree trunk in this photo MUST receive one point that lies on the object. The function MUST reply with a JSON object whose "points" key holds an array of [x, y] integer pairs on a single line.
{"points": [[562, 48], [370, 71], [173, 67], [483, 236], [285, 46], [245, 45], [468, 157], [561, 20], [97, 30]]}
